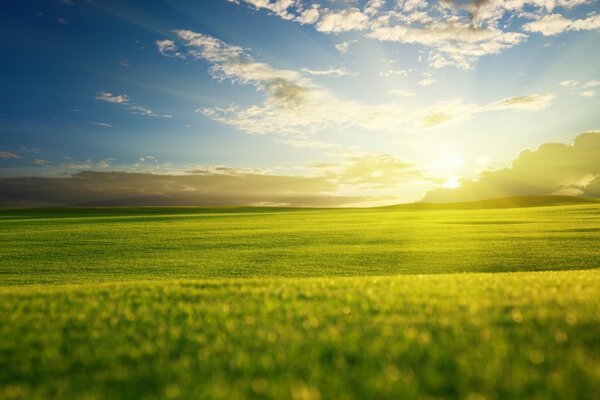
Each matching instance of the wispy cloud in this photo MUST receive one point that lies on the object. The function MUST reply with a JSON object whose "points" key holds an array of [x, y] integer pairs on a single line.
{"points": [[403, 73], [583, 89], [103, 124], [401, 93], [8, 154], [524, 103], [427, 81], [333, 72], [125, 100], [112, 98]]}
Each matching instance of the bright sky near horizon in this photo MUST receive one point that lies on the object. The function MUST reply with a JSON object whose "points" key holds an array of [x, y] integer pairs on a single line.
{"points": [[374, 101]]}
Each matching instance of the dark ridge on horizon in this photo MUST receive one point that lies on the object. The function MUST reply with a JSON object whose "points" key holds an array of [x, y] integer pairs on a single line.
{"points": [[505, 202]]}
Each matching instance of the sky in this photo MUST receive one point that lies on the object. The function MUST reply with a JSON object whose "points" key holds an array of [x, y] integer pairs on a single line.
{"points": [[293, 102]]}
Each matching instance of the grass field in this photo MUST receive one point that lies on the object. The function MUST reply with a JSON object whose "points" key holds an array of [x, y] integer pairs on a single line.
{"points": [[303, 304]]}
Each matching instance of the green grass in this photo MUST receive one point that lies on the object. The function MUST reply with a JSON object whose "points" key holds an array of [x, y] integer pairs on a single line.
{"points": [[95, 245], [305, 304]]}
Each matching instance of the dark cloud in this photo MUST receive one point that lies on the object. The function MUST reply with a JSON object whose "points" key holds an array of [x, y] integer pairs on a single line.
{"points": [[554, 168], [136, 189]]}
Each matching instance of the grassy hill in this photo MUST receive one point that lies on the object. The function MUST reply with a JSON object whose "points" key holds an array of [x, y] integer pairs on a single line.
{"points": [[300, 303], [505, 202]]}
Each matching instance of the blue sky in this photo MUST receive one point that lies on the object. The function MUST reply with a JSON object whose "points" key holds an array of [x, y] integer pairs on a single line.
{"points": [[425, 94]]}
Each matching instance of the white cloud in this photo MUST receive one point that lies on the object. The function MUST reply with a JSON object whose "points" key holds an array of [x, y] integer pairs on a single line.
{"points": [[403, 73], [454, 43], [303, 142], [168, 48], [344, 46], [569, 83], [103, 124], [111, 98], [427, 81], [581, 87], [296, 106], [401, 93], [374, 6], [333, 72], [524, 103], [137, 110], [455, 33], [587, 93], [277, 7], [348, 19], [553, 24], [123, 99], [309, 15]]}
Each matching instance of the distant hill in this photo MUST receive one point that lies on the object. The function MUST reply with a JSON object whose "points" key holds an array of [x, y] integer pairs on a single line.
{"points": [[505, 202]]}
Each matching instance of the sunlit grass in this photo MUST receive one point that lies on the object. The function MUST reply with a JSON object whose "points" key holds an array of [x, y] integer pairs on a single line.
{"points": [[42, 246], [222, 303]]}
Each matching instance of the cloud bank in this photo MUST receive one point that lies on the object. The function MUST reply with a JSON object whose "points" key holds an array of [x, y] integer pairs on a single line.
{"points": [[552, 169], [92, 188]]}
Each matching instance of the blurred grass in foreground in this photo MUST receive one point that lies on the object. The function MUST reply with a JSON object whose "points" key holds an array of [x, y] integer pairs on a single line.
{"points": [[515, 335]]}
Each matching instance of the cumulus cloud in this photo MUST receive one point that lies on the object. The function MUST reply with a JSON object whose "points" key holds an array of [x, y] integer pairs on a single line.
{"points": [[552, 169], [453, 43], [296, 106], [336, 21], [277, 7], [310, 15]]}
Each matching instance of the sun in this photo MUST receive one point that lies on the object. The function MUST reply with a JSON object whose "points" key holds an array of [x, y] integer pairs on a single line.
{"points": [[451, 183]]}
